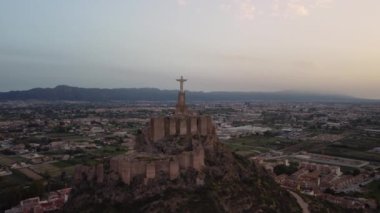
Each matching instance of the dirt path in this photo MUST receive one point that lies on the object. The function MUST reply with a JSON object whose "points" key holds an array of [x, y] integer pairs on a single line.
{"points": [[304, 206]]}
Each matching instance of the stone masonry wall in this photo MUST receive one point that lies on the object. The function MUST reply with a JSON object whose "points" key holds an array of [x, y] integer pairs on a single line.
{"points": [[151, 171], [126, 168], [198, 158], [174, 170], [193, 125], [162, 127], [157, 127], [185, 160], [99, 173], [172, 126], [124, 171], [182, 126], [202, 125], [163, 165]]}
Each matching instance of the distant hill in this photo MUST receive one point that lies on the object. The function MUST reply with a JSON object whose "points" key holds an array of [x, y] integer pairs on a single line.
{"points": [[67, 93]]}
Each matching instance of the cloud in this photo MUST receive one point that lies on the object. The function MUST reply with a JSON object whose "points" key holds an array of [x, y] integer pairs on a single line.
{"points": [[247, 10], [323, 3], [241, 9], [225, 7], [298, 9], [288, 8], [182, 2], [276, 7]]}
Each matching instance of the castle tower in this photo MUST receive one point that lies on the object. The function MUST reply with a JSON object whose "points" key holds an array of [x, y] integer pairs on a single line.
{"points": [[181, 108]]}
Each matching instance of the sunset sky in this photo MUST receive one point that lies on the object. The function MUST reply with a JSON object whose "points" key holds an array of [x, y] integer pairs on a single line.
{"points": [[328, 46]]}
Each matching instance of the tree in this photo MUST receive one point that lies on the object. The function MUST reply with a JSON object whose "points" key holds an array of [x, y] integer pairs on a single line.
{"points": [[282, 169], [356, 172]]}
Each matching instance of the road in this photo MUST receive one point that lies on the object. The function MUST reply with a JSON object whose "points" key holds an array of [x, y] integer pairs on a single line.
{"points": [[304, 206]]}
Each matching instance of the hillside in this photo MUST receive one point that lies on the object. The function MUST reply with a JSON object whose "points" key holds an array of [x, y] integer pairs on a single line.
{"points": [[67, 93], [231, 184]]}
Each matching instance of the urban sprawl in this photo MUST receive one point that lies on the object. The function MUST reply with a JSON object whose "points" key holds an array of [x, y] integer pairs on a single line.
{"points": [[327, 151]]}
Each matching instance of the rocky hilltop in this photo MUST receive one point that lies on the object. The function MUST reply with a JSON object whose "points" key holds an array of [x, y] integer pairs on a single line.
{"points": [[178, 165]]}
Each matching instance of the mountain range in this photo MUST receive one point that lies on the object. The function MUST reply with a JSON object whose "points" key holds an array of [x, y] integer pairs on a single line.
{"points": [[68, 93]]}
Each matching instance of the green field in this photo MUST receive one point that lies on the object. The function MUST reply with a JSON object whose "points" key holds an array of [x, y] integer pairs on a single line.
{"points": [[6, 161], [253, 145], [91, 157], [349, 153], [108, 151], [16, 187], [15, 179], [66, 136], [358, 142], [353, 146], [9, 160], [356, 147], [47, 168]]}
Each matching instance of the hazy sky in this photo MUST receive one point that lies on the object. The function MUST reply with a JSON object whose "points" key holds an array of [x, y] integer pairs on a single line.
{"points": [[249, 45]]}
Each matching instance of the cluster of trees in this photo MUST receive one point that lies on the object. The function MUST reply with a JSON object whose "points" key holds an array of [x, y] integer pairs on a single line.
{"points": [[283, 169], [353, 172], [11, 196]]}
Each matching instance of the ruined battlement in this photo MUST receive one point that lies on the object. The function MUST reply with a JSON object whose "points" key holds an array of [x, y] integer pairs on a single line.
{"points": [[163, 132], [183, 123], [162, 127], [126, 168], [129, 167]]}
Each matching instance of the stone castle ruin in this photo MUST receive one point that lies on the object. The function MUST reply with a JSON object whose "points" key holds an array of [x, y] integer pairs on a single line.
{"points": [[167, 146], [163, 127]]}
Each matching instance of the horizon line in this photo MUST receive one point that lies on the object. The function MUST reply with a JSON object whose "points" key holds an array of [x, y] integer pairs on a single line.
{"points": [[203, 91]]}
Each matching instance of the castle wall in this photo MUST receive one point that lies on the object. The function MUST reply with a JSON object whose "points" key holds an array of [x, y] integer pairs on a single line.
{"points": [[127, 168], [162, 127], [198, 158], [203, 125], [138, 168], [174, 170], [185, 160], [166, 126], [193, 125], [81, 172], [172, 126], [114, 164], [125, 171], [151, 170], [90, 173], [99, 173], [182, 126], [162, 166], [157, 128], [210, 126]]}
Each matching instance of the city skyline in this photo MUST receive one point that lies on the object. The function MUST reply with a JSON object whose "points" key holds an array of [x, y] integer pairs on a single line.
{"points": [[325, 46]]}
